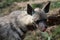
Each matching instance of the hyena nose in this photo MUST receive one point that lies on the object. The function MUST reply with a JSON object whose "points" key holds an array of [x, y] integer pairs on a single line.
{"points": [[44, 29], [46, 26], [42, 26]]}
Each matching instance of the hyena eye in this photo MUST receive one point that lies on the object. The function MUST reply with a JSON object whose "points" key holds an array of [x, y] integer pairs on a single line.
{"points": [[37, 21], [41, 20], [44, 20]]}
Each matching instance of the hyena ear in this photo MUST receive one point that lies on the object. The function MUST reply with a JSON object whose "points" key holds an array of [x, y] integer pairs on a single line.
{"points": [[29, 9], [46, 7]]}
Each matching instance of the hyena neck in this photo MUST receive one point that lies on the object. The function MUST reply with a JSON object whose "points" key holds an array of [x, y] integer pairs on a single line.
{"points": [[24, 28], [27, 19], [20, 29]]}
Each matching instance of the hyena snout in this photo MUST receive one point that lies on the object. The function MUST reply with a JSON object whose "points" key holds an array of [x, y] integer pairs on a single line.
{"points": [[42, 26]]}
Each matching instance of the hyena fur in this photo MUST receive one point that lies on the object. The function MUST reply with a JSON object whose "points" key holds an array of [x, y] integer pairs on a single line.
{"points": [[17, 23]]}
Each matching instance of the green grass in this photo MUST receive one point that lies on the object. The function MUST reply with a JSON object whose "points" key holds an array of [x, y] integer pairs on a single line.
{"points": [[20, 0], [55, 5], [7, 3], [52, 6], [37, 5], [56, 33]]}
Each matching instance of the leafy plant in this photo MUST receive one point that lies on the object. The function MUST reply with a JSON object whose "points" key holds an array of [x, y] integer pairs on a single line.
{"points": [[46, 36], [56, 33]]}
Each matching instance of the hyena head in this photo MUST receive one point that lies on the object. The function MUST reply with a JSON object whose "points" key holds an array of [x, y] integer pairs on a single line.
{"points": [[39, 15]]}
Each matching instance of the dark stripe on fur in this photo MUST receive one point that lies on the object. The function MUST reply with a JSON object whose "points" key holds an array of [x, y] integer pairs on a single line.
{"points": [[14, 29]]}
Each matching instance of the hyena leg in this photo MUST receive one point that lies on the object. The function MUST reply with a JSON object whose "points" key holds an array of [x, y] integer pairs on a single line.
{"points": [[6, 33]]}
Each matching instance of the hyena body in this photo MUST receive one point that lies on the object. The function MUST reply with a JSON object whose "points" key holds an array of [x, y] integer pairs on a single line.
{"points": [[16, 24]]}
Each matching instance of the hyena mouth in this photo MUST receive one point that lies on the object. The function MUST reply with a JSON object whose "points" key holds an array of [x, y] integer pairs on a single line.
{"points": [[32, 26], [41, 24]]}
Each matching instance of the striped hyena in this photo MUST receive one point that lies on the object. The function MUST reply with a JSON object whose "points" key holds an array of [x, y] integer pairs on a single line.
{"points": [[17, 23]]}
